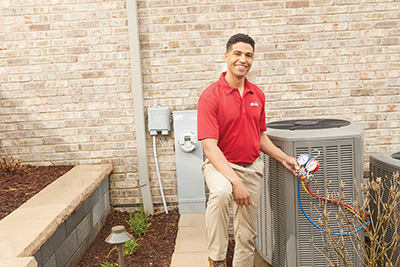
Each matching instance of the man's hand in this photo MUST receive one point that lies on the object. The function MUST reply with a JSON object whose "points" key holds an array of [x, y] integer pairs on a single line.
{"points": [[289, 162], [240, 193]]}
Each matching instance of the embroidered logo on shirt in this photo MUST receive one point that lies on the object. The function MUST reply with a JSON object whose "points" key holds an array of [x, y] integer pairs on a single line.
{"points": [[252, 104]]}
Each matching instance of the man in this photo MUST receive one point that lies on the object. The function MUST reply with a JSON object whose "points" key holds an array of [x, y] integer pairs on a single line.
{"points": [[231, 122]]}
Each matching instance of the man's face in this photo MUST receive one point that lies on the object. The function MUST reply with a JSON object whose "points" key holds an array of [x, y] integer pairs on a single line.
{"points": [[239, 59]]}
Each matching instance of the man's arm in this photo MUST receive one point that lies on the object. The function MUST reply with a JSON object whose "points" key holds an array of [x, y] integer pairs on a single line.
{"points": [[273, 151], [240, 193]]}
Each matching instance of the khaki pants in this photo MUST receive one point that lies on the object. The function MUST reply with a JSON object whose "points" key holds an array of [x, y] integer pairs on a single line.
{"points": [[244, 218]]}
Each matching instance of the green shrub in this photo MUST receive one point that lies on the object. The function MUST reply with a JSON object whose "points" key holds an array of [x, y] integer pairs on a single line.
{"points": [[139, 221]]}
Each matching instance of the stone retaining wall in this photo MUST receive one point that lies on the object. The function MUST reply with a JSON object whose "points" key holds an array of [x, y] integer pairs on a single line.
{"points": [[73, 237], [57, 225]]}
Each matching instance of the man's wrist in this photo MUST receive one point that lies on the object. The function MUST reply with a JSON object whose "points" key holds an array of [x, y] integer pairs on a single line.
{"points": [[235, 181], [285, 158]]}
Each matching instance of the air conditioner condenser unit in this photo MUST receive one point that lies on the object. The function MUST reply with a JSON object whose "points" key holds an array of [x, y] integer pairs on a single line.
{"points": [[284, 233]]}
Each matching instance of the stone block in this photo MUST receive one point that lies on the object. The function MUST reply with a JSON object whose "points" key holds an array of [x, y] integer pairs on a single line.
{"points": [[96, 229], [66, 250], [78, 255], [104, 186], [76, 258], [91, 201], [107, 198], [51, 262], [75, 218], [51, 245], [99, 209], [84, 228]]}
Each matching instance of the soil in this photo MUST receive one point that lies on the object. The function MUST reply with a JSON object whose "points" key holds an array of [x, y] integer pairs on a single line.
{"points": [[17, 187], [156, 246]]}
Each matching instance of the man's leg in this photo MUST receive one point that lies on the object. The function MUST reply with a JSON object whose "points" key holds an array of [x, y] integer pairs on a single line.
{"points": [[245, 217], [217, 213]]}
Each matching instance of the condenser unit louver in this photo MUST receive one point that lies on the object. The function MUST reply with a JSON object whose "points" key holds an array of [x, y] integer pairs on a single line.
{"points": [[384, 165], [283, 232]]}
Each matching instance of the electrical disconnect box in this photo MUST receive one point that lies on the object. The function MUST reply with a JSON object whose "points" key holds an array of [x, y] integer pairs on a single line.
{"points": [[189, 157], [159, 120]]}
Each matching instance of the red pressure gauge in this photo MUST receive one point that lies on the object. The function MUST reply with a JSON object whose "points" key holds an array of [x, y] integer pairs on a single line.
{"points": [[312, 165]]}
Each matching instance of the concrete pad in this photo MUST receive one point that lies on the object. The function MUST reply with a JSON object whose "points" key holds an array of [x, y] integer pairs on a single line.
{"points": [[191, 246], [192, 220], [189, 259], [191, 239]]}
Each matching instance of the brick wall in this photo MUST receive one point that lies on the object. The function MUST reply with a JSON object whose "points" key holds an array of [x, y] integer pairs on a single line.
{"points": [[65, 84]]}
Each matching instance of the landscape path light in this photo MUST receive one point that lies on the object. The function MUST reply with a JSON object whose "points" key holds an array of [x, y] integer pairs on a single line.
{"points": [[118, 237]]}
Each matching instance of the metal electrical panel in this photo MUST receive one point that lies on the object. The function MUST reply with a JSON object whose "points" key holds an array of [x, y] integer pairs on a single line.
{"points": [[189, 157]]}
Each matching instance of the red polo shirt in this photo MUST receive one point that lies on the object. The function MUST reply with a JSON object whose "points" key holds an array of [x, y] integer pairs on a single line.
{"points": [[234, 120]]}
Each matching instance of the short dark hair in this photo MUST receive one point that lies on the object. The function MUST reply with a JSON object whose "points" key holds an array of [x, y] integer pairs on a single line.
{"points": [[240, 37]]}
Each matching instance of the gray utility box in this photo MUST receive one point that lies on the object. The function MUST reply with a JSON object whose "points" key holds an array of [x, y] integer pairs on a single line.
{"points": [[189, 157]]}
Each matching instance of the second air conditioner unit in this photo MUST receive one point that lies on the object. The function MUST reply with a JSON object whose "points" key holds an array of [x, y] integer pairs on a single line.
{"points": [[284, 233], [384, 165]]}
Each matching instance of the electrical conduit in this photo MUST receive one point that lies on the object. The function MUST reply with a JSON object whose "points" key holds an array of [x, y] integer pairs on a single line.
{"points": [[158, 174]]}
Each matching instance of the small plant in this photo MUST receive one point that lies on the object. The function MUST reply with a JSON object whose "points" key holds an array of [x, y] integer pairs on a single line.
{"points": [[9, 164], [109, 264], [139, 221], [131, 246]]}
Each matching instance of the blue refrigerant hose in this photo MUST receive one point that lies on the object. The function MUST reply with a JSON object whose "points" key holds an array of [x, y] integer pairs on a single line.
{"points": [[320, 228]]}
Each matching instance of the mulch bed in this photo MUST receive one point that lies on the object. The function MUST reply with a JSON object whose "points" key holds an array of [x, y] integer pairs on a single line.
{"points": [[17, 187], [156, 246]]}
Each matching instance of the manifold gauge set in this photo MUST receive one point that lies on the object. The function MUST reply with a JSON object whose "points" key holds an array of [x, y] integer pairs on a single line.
{"points": [[307, 165]]}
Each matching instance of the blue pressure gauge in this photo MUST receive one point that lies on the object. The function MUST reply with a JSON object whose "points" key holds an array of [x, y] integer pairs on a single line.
{"points": [[303, 159]]}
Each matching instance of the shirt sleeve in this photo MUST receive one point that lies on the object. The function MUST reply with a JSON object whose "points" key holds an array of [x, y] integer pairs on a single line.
{"points": [[207, 119]]}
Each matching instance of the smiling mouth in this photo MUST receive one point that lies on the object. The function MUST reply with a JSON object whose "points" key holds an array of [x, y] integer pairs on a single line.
{"points": [[241, 67]]}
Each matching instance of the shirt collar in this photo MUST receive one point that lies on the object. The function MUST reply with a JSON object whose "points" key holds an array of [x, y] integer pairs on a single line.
{"points": [[229, 89]]}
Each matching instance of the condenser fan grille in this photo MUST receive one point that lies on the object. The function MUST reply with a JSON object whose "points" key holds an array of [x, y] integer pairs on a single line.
{"points": [[308, 124]]}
